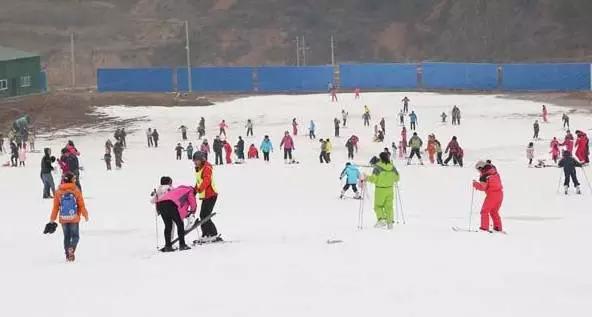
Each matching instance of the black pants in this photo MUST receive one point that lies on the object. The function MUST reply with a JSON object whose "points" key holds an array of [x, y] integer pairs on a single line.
{"points": [[344, 122], [77, 173], [323, 157], [311, 134], [350, 154], [405, 108], [155, 142], [536, 134], [353, 186], [455, 159], [118, 160], [412, 125], [169, 213], [570, 173], [14, 160], [222, 131], [219, 160], [288, 154], [108, 161], [178, 155], [200, 133], [337, 131], [566, 123], [184, 135], [150, 142], [208, 228], [439, 158], [250, 131], [266, 156], [414, 152], [240, 155], [366, 122], [401, 120]]}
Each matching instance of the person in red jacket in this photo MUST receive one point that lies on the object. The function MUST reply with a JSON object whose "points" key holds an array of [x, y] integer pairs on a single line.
{"points": [[490, 183], [206, 189], [582, 150], [228, 150], [253, 152]]}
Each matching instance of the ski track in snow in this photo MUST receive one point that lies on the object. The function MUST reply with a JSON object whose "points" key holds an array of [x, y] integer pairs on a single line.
{"points": [[283, 217]]}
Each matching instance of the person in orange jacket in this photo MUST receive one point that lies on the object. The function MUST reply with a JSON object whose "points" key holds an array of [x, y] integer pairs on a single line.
{"points": [[490, 183], [431, 149], [68, 204]]}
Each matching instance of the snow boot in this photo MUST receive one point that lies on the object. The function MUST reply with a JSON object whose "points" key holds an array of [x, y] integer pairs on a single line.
{"points": [[341, 195], [70, 257], [390, 226], [566, 190], [190, 221], [357, 196], [184, 247], [167, 248], [485, 229], [380, 224], [578, 191]]}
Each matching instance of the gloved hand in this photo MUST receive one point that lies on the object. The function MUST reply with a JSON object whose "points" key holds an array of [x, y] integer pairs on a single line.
{"points": [[50, 228]]}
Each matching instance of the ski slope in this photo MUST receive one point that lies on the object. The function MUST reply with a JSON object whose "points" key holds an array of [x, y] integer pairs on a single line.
{"points": [[280, 217]]}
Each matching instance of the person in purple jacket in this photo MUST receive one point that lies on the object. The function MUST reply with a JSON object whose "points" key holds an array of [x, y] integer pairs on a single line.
{"points": [[288, 145], [174, 206]]}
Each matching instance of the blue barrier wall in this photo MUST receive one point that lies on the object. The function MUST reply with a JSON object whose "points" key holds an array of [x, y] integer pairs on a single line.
{"points": [[294, 79], [217, 79], [135, 79], [460, 76], [376, 76], [546, 77]]}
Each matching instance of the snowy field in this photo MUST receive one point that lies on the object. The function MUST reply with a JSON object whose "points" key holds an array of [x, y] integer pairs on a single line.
{"points": [[281, 216]]}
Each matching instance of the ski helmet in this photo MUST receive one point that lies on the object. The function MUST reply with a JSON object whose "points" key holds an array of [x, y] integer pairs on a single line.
{"points": [[199, 156], [480, 164]]}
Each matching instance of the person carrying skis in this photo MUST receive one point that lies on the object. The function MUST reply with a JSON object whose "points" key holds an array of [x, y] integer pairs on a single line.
{"points": [[536, 128], [217, 148], [569, 164], [413, 120], [173, 206], [204, 186], [415, 144], [46, 177], [490, 183], [288, 144], [228, 151], [189, 151], [149, 137], [205, 148], [384, 177], [337, 125], [68, 205], [239, 149], [545, 113], [155, 137], [352, 176], [179, 150], [530, 153], [555, 150], [344, 116], [294, 127], [201, 128], [266, 147], [565, 119], [582, 147], [455, 152], [249, 127], [253, 153], [118, 151], [311, 130], [405, 104]]}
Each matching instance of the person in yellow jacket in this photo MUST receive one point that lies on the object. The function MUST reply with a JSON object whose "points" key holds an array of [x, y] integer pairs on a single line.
{"points": [[328, 149], [384, 177]]}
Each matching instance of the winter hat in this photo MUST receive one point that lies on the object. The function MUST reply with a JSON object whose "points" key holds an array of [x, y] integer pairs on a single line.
{"points": [[384, 157], [165, 180], [374, 160], [68, 177], [347, 164], [480, 164], [199, 156]]}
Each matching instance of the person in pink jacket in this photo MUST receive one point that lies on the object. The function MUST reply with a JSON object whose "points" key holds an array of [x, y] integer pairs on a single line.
{"points": [[555, 150], [174, 206], [205, 147], [288, 145], [568, 142], [223, 127], [582, 147]]}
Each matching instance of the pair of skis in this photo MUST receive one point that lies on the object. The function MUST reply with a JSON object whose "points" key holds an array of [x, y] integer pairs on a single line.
{"points": [[461, 229]]}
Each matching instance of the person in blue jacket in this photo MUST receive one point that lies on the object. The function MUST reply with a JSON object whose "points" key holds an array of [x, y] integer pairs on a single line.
{"points": [[311, 130], [413, 119], [352, 175], [266, 147]]}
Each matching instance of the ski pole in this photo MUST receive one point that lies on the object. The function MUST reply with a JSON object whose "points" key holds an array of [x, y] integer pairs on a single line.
{"points": [[471, 209], [361, 209], [400, 201], [559, 183], [587, 180], [156, 228]]}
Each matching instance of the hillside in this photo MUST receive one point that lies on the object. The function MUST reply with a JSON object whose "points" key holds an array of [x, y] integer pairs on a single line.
{"points": [[113, 33]]}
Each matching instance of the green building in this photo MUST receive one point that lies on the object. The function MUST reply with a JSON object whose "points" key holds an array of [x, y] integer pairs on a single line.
{"points": [[20, 73]]}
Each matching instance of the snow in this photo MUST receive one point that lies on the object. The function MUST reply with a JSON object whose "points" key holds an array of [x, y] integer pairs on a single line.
{"points": [[281, 216]]}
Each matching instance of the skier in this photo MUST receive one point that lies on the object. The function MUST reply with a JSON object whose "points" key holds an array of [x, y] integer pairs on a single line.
{"points": [[179, 150], [107, 156], [166, 185], [266, 147], [294, 127], [555, 150], [118, 151], [415, 144], [443, 116], [404, 136], [46, 177], [582, 147], [68, 204], [383, 125], [490, 183], [350, 149], [545, 113], [311, 130], [366, 116], [455, 152], [228, 151], [401, 118], [208, 196], [323, 156], [344, 116], [354, 140], [253, 153], [568, 142], [183, 129], [357, 93], [222, 125], [201, 128], [384, 177], [431, 148], [565, 119], [189, 151], [438, 146], [239, 149], [173, 206], [155, 137], [205, 148], [249, 127], [530, 153], [328, 150], [149, 137], [394, 149], [217, 147], [22, 154], [536, 129], [413, 120], [337, 125], [14, 154], [288, 144], [108, 146], [569, 164], [352, 176], [123, 135], [405, 104]]}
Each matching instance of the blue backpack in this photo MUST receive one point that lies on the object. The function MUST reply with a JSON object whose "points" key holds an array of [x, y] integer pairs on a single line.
{"points": [[68, 207]]}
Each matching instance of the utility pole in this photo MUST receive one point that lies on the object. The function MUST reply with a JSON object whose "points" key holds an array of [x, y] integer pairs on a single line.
{"points": [[297, 51], [72, 60], [332, 51], [188, 49], [303, 51]]}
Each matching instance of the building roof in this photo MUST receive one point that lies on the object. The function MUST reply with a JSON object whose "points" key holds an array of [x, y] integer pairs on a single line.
{"points": [[8, 54]]}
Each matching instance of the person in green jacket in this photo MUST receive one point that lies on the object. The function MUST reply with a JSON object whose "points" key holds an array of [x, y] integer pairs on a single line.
{"points": [[415, 144], [384, 177]]}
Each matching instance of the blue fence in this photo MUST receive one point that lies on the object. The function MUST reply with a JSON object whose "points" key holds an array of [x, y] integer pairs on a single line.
{"points": [[546, 77], [377, 76], [460, 76], [217, 79], [294, 79], [135, 79]]}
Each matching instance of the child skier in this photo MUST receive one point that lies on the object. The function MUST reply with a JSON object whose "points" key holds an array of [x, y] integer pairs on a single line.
{"points": [[357, 93], [569, 164], [394, 149], [352, 176], [253, 153], [438, 146], [402, 149], [384, 177], [401, 117], [205, 147], [68, 204], [179, 149], [555, 150], [344, 116], [413, 120], [311, 130], [405, 104], [350, 149], [530, 153], [443, 116], [490, 183], [183, 129], [266, 147], [288, 144], [223, 127], [249, 127], [294, 127], [415, 144], [22, 154], [189, 151], [239, 149], [536, 128], [431, 148], [174, 206], [323, 155]]}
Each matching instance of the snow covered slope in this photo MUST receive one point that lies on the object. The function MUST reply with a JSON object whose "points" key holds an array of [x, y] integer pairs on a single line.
{"points": [[281, 216]]}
